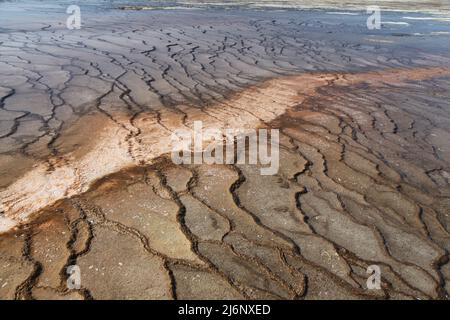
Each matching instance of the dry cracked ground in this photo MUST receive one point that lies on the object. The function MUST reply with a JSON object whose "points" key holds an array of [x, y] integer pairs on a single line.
{"points": [[86, 118]]}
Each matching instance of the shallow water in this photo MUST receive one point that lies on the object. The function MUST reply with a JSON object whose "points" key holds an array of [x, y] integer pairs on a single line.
{"points": [[52, 76], [86, 115]]}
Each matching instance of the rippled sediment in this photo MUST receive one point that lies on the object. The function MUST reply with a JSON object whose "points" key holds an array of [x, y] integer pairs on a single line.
{"points": [[364, 160]]}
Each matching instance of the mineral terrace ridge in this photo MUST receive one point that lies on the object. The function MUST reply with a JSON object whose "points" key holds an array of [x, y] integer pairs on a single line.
{"points": [[86, 118]]}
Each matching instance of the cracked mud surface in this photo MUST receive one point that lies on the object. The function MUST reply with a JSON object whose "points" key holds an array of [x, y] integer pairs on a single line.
{"points": [[86, 117]]}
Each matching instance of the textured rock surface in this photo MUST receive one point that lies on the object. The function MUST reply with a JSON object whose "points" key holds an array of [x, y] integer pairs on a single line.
{"points": [[364, 174]]}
